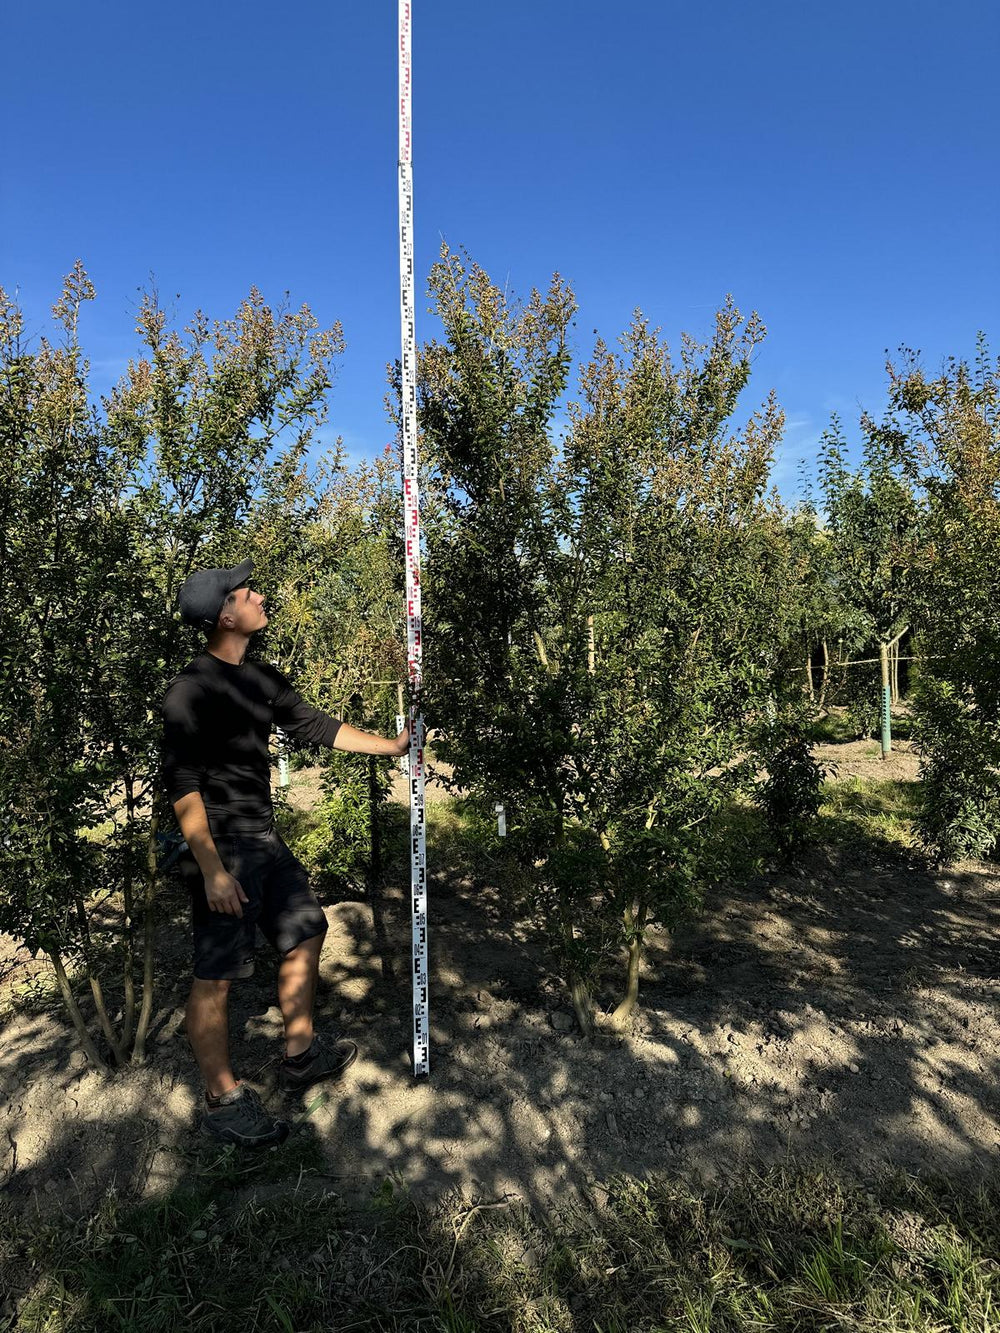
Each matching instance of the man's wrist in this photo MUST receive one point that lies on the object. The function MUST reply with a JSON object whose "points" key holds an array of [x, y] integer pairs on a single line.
{"points": [[209, 862]]}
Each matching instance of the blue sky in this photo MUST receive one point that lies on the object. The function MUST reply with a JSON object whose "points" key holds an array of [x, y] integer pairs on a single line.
{"points": [[833, 166]]}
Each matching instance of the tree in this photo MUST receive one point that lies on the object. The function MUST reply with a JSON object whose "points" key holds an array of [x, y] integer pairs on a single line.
{"points": [[342, 637], [815, 615], [601, 609], [197, 457], [62, 537], [945, 434], [874, 522]]}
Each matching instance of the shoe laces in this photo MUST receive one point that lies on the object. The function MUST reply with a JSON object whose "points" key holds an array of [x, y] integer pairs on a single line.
{"points": [[253, 1105]]}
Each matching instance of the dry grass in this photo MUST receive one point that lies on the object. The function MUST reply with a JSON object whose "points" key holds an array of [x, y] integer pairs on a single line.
{"points": [[775, 1251]]}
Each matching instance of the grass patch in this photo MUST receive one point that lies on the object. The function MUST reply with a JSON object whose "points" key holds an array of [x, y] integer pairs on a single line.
{"points": [[870, 808], [35, 993], [838, 728], [740, 839], [459, 835], [833, 728], [782, 1250]]}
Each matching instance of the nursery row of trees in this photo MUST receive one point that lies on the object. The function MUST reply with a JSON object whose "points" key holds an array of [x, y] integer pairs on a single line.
{"points": [[623, 620], [627, 632]]}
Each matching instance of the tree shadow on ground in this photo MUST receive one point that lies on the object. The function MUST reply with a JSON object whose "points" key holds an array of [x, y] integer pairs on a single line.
{"points": [[797, 1017], [239, 1242], [870, 979], [823, 1036]]}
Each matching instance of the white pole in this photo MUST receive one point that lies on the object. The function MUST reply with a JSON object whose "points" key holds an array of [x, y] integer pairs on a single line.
{"points": [[411, 521]]}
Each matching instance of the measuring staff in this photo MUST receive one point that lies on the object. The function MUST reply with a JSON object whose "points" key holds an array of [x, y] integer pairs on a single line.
{"points": [[411, 522]]}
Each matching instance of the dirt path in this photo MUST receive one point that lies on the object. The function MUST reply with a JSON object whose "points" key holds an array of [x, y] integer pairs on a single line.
{"points": [[849, 1014]]}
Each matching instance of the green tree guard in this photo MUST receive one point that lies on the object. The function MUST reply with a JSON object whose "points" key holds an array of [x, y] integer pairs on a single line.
{"points": [[883, 651]]}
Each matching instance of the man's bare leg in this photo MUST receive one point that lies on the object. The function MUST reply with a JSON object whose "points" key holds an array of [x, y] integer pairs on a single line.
{"points": [[297, 992], [208, 1033]]}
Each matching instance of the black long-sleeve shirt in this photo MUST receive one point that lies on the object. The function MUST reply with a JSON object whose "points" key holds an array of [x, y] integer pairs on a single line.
{"points": [[217, 721]]}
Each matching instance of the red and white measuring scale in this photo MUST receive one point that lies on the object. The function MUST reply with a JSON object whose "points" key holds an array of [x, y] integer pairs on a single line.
{"points": [[411, 518]]}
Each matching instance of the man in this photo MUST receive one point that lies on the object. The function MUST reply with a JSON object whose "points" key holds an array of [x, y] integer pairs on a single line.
{"points": [[217, 717]]}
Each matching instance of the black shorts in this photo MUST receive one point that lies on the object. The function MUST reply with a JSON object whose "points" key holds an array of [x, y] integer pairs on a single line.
{"points": [[282, 906]]}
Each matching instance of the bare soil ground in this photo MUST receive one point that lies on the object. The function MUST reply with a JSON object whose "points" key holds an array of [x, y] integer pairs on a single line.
{"points": [[849, 1013]]}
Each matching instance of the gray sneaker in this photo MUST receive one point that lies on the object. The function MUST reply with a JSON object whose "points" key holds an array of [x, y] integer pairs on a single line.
{"points": [[330, 1058], [240, 1118]]}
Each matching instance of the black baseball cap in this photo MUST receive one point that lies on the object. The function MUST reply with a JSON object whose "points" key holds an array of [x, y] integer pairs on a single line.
{"points": [[203, 593]]}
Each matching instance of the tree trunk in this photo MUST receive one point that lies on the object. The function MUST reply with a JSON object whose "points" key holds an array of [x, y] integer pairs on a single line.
{"points": [[809, 676], [543, 656], [825, 678], [842, 683], [128, 1016], [582, 1005], [578, 991], [149, 937], [69, 1000], [375, 860], [895, 672], [95, 985], [104, 1019], [128, 906], [635, 925], [591, 652]]}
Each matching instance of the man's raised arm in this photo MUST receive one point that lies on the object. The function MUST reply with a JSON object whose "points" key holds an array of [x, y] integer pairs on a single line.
{"points": [[365, 742], [312, 727]]}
